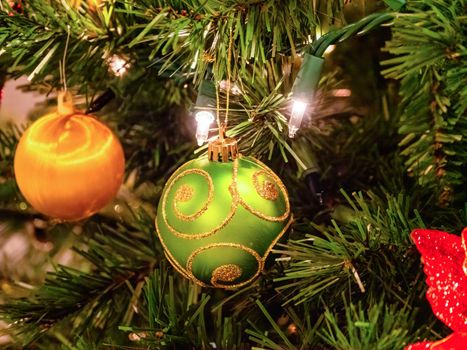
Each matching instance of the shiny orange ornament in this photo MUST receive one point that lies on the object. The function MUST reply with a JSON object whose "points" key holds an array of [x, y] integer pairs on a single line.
{"points": [[69, 165]]}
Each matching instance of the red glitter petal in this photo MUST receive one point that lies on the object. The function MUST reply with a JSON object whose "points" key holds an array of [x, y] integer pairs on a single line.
{"points": [[456, 341], [444, 258]]}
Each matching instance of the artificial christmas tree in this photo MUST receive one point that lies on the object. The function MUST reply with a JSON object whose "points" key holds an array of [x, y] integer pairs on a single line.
{"points": [[356, 107]]}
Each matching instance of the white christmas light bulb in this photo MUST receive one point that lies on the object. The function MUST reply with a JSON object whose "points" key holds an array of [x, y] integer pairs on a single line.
{"points": [[298, 111], [204, 120], [118, 65]]}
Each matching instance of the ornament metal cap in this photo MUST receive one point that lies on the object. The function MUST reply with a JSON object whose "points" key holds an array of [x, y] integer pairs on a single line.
{"points": [[223, 149], [65, 103]]}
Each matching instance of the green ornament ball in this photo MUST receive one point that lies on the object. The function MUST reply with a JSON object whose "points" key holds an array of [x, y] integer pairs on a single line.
{"points": [[218, 221]]}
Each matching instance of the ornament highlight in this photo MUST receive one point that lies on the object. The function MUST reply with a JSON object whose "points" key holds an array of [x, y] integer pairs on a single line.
{"points": [[68, 165], [219, 220], [444, 256]]}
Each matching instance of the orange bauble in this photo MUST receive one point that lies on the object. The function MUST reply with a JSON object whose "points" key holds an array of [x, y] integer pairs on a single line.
{"points": [[69, 165]]}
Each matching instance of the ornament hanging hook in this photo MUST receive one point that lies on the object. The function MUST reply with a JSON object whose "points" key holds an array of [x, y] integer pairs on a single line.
{"points": [[229, 77], [222, 126], [224, 149], [65, 103], [222, 131], [64, 98], [62, 62]]}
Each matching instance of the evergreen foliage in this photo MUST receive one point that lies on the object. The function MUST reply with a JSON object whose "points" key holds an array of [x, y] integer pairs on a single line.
{"points": [[433, 103]]}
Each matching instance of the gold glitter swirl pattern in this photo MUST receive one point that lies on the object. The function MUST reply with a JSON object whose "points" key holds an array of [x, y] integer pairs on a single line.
{"points": [[189, 274], [259, 214], [189, 263], [182, 194], [185, 193], [267, 185], [169, 255], [197, 214], [267, 189], [279, 236], [225, 273]]}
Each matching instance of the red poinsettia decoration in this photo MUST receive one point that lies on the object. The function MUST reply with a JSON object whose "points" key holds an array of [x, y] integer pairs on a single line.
{"points": [[445, 259]]}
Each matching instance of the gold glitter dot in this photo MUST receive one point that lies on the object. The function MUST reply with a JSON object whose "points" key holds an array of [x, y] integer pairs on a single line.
{"points": [[270, 191], [267, 189], [184, 193], [227, 273]]}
